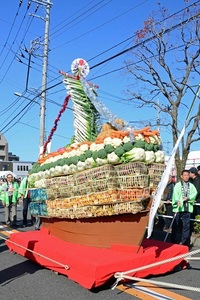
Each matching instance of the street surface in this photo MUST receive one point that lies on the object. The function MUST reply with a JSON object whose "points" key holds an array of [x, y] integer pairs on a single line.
{"points": [[22, 279]]}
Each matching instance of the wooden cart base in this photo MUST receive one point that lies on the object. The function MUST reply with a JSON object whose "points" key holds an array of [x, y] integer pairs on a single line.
{"points": [[125, 229]]}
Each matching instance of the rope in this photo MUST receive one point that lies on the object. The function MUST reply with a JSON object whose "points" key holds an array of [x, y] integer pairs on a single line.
{"points": [[122, 275], [193, 258], [159, 262], [66, 267], [172, 285]]}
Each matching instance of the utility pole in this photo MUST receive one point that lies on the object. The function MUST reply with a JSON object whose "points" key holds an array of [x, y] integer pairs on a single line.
{"points": [[44, 77], [48, 5]]}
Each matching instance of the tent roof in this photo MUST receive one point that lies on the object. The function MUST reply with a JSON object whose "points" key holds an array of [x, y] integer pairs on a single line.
{"points": [[5, 173]]}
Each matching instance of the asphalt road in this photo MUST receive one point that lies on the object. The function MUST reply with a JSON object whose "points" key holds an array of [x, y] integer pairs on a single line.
{"points": [[22, 279]]}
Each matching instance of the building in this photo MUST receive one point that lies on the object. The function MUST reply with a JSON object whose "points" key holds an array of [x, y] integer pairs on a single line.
{"points": [[19, 168], [3, 148], [11, 162], [13, 157]]}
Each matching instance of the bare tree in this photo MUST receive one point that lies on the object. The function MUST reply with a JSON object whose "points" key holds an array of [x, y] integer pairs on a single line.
{"points": [[165, 64]]}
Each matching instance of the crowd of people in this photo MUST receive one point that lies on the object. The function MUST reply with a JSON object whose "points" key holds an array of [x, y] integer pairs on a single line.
{"points": [[182, 202], [11, 192]]}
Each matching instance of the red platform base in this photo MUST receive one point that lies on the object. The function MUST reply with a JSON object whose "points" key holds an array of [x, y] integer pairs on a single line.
{"points": [[92, 266]]}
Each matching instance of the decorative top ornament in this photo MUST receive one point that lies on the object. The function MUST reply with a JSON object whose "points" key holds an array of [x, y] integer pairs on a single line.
{"points": [[80, 67]]}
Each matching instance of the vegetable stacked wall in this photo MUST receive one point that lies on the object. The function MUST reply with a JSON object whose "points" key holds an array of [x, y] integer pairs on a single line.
{"points": [[111, 176]]}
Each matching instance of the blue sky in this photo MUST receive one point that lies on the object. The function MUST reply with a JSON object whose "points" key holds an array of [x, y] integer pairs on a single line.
{"points": [[78, 29]]}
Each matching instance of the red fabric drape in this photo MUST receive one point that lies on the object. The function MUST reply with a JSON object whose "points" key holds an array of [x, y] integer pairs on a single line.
{"points": [[91, 266]]}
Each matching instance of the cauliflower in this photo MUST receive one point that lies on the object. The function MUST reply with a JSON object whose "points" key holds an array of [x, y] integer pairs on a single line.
{"points": [[116, 142], [149, 157], [107, 141], [160, 156], [126, 139], [113, 158], [84, 147], [101, 162], [80, 166]]}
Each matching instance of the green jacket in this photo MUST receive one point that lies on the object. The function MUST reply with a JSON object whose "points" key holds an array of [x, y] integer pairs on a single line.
{"points": [[4, 193], [177, 196], [23, 189]]}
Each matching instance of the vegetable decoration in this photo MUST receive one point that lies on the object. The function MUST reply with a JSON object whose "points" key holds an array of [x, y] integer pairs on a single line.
{"points": [[147, 135], [117, 143]]}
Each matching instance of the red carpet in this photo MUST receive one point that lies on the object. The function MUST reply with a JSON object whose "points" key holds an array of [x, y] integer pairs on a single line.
{"points": [[90, 266]]}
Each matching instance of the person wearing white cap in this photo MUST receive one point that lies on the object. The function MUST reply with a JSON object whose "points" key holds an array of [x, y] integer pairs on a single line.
{"points": [[9, 197]]}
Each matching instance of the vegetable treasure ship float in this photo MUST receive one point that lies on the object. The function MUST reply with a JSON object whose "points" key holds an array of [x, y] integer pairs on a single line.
{"points": [[95, 194], [104, 177]]}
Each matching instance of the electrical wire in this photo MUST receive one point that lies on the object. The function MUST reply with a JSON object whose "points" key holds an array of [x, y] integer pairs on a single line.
{"points": [[28, 106], [37, 128], [77, 18], [10, 48], [54, 86], [126, 50], [13, 23], [105, 23], [15, 56]]}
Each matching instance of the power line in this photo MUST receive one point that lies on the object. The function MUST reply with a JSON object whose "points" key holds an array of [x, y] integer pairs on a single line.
{"points": [[13, 23], [137, 45], [15, 37], [126, 50], [37, 128], [105, 23], [10, 49], [59, 84], [83, 14]]}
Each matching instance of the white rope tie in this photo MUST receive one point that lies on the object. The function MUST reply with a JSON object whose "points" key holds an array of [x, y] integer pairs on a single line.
{"points": [[172, 285], [122, 275], [159, 263], [66, 267]]}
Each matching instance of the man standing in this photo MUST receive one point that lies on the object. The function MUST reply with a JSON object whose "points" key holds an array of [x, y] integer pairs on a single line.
{"points": [[195, 179], [25, 196], [183, 198], [9, 197]]}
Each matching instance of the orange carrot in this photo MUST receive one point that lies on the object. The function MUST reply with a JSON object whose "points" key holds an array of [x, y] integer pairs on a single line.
{"points": [[147, 139], [145, 128]]}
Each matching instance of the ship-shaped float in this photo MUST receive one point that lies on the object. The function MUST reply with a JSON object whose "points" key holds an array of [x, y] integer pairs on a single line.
{"points": [[94, 195]]}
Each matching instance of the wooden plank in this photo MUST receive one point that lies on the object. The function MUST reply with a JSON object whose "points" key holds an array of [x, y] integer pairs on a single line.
{"points": [[148, 291], [126, 229]]}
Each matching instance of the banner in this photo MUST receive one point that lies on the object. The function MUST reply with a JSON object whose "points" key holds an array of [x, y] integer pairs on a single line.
{"points": [[162, 185]]}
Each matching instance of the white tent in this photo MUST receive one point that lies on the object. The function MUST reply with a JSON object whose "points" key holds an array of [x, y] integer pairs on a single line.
{"points": [[3, 174]]}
